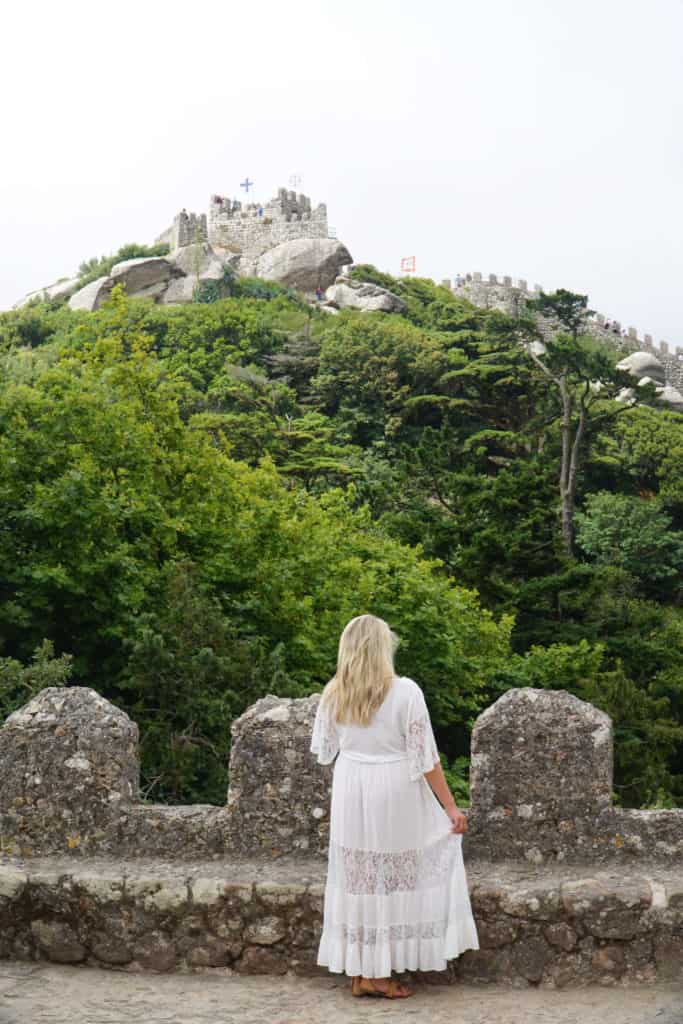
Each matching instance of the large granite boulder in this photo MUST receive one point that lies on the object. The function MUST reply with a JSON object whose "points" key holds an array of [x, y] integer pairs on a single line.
{"points": [[199, 260], [145, 276], [671, 397], [142, 277], [304, 263], [347, 293], [179, 290], [643, 364], [69, 765], [92, 295]]}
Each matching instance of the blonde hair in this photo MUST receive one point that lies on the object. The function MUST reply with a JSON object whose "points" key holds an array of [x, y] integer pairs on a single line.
{"points": [[365, 669]]}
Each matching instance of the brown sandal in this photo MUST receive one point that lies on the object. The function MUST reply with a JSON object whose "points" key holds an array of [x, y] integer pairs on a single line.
{"points": [[365, 987]]}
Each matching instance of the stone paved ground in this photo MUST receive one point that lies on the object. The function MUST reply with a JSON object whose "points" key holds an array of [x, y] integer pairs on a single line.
{"points": [[41, 993]]}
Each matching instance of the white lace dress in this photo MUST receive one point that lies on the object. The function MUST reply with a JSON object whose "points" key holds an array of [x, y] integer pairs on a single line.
{"points": [[396, 894]]}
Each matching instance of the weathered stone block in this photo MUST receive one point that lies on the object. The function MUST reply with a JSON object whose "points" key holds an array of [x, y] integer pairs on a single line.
{"points": [[58, 940], [155, 952], [607, 910]]}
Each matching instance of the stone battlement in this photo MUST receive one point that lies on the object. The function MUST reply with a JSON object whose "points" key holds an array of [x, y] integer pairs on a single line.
{"points": [[251, 229], [509, 294], [566, 888]]}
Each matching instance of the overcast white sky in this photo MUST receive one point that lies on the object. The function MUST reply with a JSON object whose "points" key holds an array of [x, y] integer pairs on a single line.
{"points": [[537, 138]]}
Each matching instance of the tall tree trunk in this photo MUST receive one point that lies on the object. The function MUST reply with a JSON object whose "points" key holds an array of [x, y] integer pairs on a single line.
{"points": [[566, 495]]}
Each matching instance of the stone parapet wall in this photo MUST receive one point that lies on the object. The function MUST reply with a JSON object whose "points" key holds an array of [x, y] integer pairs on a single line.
{"points": [[541, 782], [510, 295], [565, 888], [535, 927]]}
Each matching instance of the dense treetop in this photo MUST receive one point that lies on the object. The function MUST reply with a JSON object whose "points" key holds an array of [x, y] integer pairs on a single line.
{"points": [[195, 500]]}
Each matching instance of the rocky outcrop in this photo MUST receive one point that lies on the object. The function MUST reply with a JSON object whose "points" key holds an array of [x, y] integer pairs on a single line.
{"points": [[347, 293], [67, 287], [145, 275], [180, 290], [643, 364], [199, 260], [304, 263], [92, 295], [671, 397], [647, 369]]}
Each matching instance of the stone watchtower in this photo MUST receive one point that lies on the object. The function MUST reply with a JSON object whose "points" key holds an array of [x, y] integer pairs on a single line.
{"points": [[247, 231]]}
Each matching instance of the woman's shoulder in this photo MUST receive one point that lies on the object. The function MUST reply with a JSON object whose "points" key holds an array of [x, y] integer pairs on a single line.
{"points": [[407, 686]]}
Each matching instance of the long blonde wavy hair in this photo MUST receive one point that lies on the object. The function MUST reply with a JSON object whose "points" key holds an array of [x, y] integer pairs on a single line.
{"points": [[365, 670]]}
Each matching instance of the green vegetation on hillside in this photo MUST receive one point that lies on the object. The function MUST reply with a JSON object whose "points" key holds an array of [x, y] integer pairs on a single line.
{"points": [[96, 267], [195, 499]]}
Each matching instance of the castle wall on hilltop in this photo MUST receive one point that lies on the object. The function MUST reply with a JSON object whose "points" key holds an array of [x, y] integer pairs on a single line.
{"points": [[250, 230], [510, 296], [185, 229]]}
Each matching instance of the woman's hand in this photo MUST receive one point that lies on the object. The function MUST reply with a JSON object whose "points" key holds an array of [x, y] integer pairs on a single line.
{"points": [[458, 818]]}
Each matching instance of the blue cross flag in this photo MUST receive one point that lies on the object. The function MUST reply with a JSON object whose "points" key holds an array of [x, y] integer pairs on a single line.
{"points": [[246, 184]]}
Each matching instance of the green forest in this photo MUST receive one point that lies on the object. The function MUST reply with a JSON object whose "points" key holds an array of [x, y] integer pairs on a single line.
{"points": [[197, 498]]}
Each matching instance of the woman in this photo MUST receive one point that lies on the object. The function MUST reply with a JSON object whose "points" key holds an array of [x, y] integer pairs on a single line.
{"points": [[396, 894]]}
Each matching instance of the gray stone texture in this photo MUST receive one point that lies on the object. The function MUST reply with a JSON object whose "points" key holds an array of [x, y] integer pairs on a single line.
{"points": [[347, 293], [536, 927], [540, 785], [145, 273], [44, 993], [200, 260], [642, 364], [92, 295], [541, 778], [180, 290], [304, 263], [69, 763], [279, 795]]}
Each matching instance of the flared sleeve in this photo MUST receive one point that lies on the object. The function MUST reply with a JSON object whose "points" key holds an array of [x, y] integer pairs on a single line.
{"points": [[324, 737], [423, 754]]}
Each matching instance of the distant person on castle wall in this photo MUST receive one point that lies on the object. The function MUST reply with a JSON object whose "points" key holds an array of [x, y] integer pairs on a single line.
{"points": [[396, 896], [319, 293], [459, 279]]}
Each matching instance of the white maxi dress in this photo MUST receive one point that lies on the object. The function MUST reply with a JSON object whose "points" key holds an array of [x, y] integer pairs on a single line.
{"points": [[396, 895]]}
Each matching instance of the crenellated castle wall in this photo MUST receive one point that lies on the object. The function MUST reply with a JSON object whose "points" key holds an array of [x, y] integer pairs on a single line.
{"points": [[185, 229], [565, 887], [510, 296], [249, 230]]}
